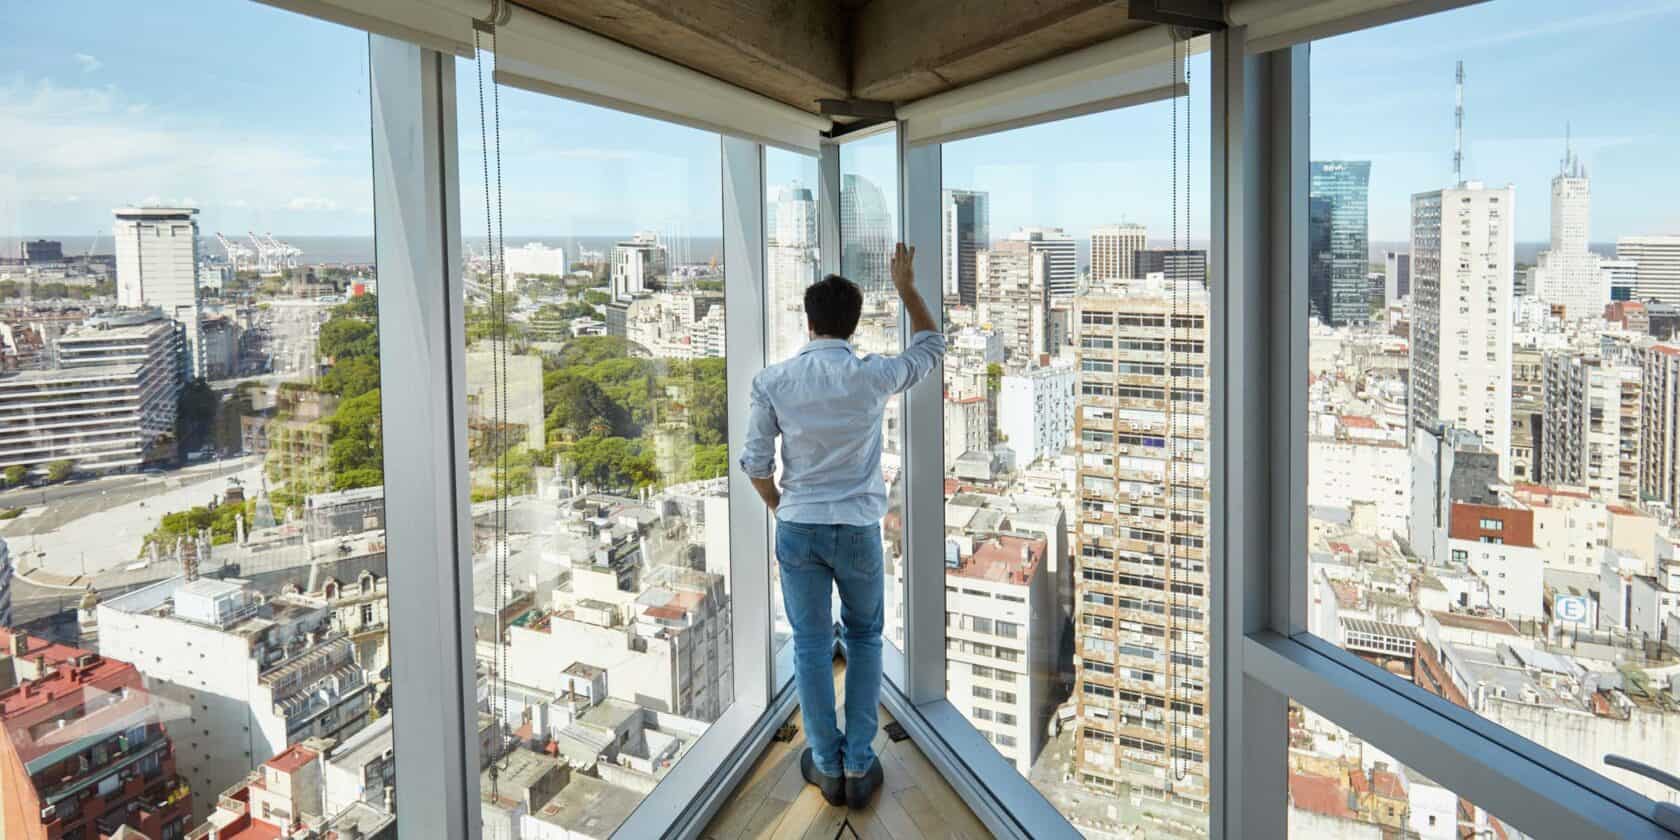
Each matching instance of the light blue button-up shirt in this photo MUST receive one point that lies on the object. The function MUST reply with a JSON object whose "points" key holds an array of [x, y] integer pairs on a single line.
{"points": [[826, 404]]}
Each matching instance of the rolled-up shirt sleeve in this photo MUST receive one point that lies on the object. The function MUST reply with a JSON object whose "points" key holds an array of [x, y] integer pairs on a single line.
{"points": [[758, 457], [917, 361]]}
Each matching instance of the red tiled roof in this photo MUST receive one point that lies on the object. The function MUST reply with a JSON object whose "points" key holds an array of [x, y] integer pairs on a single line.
{"points": [[1000, 559], [1475, 622], [1624, 510], [1321, 795], [1387, 784], [292, 759], [1354, 421]]}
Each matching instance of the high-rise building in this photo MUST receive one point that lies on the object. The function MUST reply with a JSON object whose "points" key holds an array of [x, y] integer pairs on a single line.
{"points": [[1397, 276], [1141, 599], [1658, 260], [1568, 274], [1112, 247], [1588, 433], [966, 220], [866, 233], [83, 747], [1462, 259], [636, 264], [1063, 253], [157, 266], [1180, 266], [1338, 248], [793, 262], [1014, 298], [111, 397], [1659, 445]]}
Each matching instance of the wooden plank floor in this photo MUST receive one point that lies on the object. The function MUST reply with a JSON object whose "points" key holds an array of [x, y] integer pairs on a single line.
{"points": [[775, 802]]}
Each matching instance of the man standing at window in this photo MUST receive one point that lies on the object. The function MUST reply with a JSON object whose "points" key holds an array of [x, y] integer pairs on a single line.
{"points": [[826, 404]]}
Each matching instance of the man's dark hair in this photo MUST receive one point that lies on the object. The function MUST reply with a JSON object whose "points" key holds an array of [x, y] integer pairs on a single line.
{"points": [[832, 306]]}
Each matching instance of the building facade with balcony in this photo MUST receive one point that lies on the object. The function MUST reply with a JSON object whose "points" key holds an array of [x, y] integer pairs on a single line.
{"points": [[1140, 550], [84, 751]]}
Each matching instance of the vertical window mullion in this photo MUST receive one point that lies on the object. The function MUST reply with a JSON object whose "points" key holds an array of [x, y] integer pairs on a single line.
{"points": [[921, 174], [422, 344], [745, 342]]}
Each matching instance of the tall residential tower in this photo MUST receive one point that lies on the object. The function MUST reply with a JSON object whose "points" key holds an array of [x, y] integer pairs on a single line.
{"points": [[1462, 259]]}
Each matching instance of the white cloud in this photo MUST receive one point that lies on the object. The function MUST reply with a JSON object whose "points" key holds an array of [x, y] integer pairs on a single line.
{"points": [[97, 143], [89, 63]]}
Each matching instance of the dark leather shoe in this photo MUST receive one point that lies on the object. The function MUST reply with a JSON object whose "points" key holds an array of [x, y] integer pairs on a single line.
{"points": [[833, 787], [860, 789]]}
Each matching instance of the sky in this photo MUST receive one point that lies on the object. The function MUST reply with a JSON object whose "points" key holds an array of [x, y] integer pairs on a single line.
{"points": [[176, 101]]}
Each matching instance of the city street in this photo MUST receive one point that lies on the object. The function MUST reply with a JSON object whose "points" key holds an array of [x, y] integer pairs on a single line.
{"points": [[99, 525]]}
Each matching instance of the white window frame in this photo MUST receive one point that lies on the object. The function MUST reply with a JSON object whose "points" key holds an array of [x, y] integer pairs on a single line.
{"points": [[1260, 655]]}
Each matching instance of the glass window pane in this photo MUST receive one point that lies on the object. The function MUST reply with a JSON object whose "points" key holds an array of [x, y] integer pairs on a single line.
{"points": [[793, 262], [1343, 788], [190, 424], [868, 232], [1490, 486], [1075, 450], [596, 411]]}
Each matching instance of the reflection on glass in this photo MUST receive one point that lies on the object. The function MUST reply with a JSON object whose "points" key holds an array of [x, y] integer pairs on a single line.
{"points": [[192, 571], [596, 426], [1075, 452], [1489, 516], [794, 262], [868, 232], [1342, 788]]}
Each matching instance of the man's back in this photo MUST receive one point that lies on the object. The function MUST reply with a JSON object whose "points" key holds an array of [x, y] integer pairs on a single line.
{"points": [[827, 404]]}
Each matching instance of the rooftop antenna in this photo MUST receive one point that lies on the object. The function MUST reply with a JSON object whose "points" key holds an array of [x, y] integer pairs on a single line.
{"points": [[1458, 127]]}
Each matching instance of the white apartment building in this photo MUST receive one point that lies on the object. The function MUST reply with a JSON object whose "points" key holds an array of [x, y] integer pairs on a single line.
{"points": [[666, 648], [1658, 259], [636, 264], [968, 425], [361, 769], [111, 398], [1035, 412], [535, 258], [1000, 640], [1569, 274], [1591, 425], [157, 266], [1571, 528], [1462, 262], [1497, 543], [1015, 299], [1112, 247], [1659, 444], [1062, 270], [1346, 470], [253, 676]]}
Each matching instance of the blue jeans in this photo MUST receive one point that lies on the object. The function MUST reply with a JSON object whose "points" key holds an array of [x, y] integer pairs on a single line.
{"points": [[814, 559]]}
